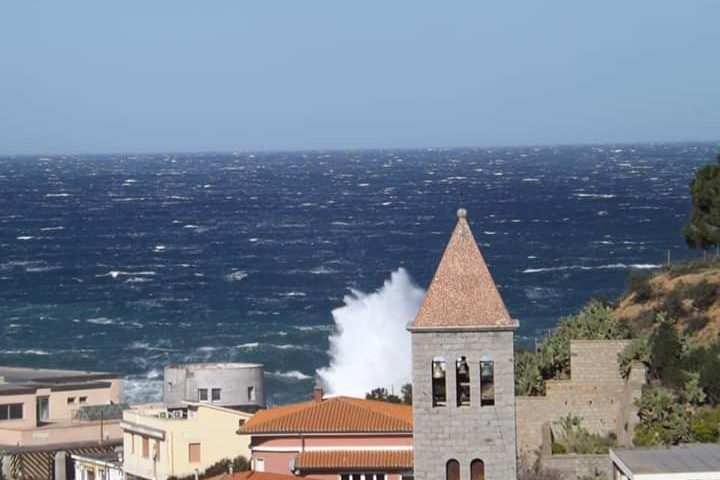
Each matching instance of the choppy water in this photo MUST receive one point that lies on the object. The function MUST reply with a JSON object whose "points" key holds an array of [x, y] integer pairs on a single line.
{"points": [[126, 263]]}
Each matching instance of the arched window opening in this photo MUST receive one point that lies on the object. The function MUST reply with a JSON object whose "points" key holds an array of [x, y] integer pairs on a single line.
{"points": [[487, 383], [438, 372], [477, 470], [452, 470], [462, 376]]}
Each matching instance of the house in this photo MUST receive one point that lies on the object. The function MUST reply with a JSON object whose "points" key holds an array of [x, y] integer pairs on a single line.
{"points": [[463, 371], [159, 443], [338, 438], [253, 475], [98, 466], [41, 407], [690, 461], [233, 385]]}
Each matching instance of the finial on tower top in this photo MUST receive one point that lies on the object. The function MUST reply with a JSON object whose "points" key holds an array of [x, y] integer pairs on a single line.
{"points": [[462, 213]]}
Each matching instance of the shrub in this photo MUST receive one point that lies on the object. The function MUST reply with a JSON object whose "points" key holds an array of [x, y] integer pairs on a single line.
{"points": [[574, 438], [696, 323], [663, 419], [673, 304], [665, 353], [638, 283], [558, 448], [703, 294], [637, 350], [705, 425]]}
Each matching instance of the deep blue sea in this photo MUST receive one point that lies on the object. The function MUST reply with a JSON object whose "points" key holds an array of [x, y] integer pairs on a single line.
{"points": [[129, 262]]}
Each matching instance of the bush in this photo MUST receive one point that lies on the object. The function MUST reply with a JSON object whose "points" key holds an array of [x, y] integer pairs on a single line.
{"points": [[705, 425], [696, 323], [663, 419], [673, 304], [558, 448], [574, 438], [703, 294], [638, 283], [637, 351], [665, 351]]}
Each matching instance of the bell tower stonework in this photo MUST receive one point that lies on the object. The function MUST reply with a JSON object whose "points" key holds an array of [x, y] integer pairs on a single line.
{"points": [[463, 371]]}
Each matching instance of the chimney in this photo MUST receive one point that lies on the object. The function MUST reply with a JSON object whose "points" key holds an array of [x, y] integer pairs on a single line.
{"points": [[318, 394]]}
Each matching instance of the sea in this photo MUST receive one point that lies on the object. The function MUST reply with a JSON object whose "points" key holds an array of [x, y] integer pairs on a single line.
{"points": [[130, 262]]}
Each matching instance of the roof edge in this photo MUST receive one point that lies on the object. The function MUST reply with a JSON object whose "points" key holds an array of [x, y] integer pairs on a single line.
{"points": [[470, 328]]}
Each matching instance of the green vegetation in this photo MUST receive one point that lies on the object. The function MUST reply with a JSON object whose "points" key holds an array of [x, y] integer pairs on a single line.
{"points": [[239, 464], [382, 395], [552, 359], [703, 229], [574, 438]]}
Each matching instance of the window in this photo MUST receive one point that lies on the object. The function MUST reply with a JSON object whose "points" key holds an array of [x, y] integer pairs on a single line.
{"points": [[156, 450], [43, 408], [70, 400], [202, 395], [83, 399], [487, 383], [251, 394], [90, 474], [462, 376], [477, 470], [132, 443], [363, 476], [193, 452], [439, 396], [145, 447], [11, 411], [260, 464], [452, 470], [215, 394]]}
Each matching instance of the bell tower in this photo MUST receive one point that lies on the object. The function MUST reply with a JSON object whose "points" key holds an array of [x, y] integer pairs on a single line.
{"points": [[463, 371]]}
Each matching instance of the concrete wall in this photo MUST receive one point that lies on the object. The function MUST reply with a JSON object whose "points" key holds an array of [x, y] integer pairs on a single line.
{"points": [[573, 467], [181, 383], [468, 432], [212, 427], [596, 392]]}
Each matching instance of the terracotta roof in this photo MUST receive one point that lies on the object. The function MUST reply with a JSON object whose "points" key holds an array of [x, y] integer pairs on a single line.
{"points": [[335, 460], [336, 415], [462, 292], [252, 475]]}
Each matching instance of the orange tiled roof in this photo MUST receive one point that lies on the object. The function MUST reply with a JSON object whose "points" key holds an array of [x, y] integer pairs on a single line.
{"points": [[333, 415], [462, 292], [335, 460], [252, 475]]}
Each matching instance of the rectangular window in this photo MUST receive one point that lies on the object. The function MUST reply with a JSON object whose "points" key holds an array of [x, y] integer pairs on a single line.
{"points": [[70, 400], [90, 474], [215, 394], [202, 395], [132, 443], [462, 378], [11, 411], [487, 383], [156, 450], [193, 452], [251, 394], [83, 399], [43, 409], [145, 447], [439, 395]]}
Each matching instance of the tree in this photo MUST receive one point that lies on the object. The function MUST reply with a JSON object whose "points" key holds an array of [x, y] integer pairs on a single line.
{"points": [[406, 392], [382, 395], [663, 419], [665, 355], [703, 229]]}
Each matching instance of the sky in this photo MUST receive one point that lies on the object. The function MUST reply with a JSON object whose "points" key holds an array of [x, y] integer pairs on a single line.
{"points": [[83, 76]]}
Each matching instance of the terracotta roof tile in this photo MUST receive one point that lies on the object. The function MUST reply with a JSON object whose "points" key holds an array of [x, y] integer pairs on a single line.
{"points": [[251, 475], [462, 292], [336, 414], [335, 460]]}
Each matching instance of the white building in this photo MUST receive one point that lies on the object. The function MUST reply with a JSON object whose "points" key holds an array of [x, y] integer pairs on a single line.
{"points": [[98, 466]]}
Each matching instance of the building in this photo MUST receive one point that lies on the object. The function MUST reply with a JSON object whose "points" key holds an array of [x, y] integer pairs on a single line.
{"points": [[690, 461], [232, 385], [339, 438], [253, 475], [463, 371], [159, 443], [42, 407], [98, 466]]}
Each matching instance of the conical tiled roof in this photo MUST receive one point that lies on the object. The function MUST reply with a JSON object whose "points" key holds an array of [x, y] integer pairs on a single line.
{"points": [[462, 293]]}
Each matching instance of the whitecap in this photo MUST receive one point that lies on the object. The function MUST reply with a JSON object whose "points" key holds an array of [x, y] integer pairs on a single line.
{"points": [[25, 237], [236, 276], [595, 195], [100, 321], [249, 345], [613, 266], [51, 229], [57, 195]]}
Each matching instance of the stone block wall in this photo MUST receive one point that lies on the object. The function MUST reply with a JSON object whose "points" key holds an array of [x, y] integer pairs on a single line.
{"points": [[595, 392]]}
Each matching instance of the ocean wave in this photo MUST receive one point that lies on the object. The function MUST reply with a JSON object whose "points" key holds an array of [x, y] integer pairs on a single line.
{"points": [[249, 345], [612, 266], [294, 294], [236, 276], [595, 195], [57, 195], [292, 374], [322, 270], [119, 273], [31, 351], [100, 321], [51, 229]]}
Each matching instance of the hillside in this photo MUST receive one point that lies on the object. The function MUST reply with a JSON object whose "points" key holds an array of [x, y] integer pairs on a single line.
{"points": [[688, 293]]}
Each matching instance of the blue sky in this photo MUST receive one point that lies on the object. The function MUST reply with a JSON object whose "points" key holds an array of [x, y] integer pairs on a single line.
{"points": [[128, 76]]}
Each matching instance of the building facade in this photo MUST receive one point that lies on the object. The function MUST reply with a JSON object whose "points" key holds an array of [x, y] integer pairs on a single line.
{"points": [[339, 438], [40, 407], [232, 385], [159, 443], [98, 466], [463, 371]]}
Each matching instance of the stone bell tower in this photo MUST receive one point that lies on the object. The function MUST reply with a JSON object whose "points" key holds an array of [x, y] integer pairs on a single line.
{"points": [[463, 371]]}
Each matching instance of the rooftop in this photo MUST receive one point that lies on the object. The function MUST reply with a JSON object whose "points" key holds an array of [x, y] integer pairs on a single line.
{"points": [[215, 366], [462, 293], [252, 475], [689, 458], [338, 460], [332, 415], [20, 380]]}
